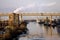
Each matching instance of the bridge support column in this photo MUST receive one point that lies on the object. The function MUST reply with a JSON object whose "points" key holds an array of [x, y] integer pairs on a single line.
{"points": [[51, 26], [21, 18]]}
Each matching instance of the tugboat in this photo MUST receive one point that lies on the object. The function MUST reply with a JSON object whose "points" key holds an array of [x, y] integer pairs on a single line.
{"points": [[58, 22], [47, 22], [14, 29], [41, 22], [54, 23]]}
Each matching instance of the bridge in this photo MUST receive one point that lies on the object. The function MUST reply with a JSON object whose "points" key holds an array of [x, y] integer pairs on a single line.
{"points": [[32, 14]]}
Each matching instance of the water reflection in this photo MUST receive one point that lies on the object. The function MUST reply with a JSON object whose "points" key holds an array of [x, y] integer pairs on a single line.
{"points": [[58, 30], [46, 29], [41, 32]]}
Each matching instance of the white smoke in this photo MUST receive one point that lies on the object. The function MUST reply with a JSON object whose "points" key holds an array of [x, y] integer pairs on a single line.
{"points": [[17, 10], [33, 5], [25, 7]]}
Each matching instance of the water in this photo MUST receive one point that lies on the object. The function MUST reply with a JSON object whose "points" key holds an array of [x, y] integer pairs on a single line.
{"points": [[40, 32]]}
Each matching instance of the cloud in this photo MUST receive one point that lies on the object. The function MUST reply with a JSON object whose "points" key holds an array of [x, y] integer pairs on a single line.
{"points": [[24, 7], [30, 5], [33, 5], [48, 4]]}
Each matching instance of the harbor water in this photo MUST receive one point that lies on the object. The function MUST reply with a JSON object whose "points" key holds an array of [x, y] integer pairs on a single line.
{"points": [[40, 32]]}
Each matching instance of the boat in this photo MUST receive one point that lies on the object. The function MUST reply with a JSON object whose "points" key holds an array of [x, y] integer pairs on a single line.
{"points": [[47, 22], [41, 22], [13, 29]]}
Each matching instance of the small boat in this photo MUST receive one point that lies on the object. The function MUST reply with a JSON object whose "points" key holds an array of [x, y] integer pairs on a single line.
{"points": [[58, 22], [53, 24], [41, 22], [47, 24]]}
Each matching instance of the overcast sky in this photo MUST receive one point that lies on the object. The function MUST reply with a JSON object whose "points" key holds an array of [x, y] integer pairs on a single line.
{"points": [[29, 5]]}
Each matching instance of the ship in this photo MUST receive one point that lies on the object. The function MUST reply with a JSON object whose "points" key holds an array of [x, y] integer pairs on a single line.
{"points": [[12, 28]]}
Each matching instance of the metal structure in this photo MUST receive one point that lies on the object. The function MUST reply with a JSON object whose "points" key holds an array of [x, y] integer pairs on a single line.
{"points": [[14, 19], [32, 14]]}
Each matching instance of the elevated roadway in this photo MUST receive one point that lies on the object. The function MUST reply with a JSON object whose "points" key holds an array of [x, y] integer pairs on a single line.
{"points": [[32, 14]]}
